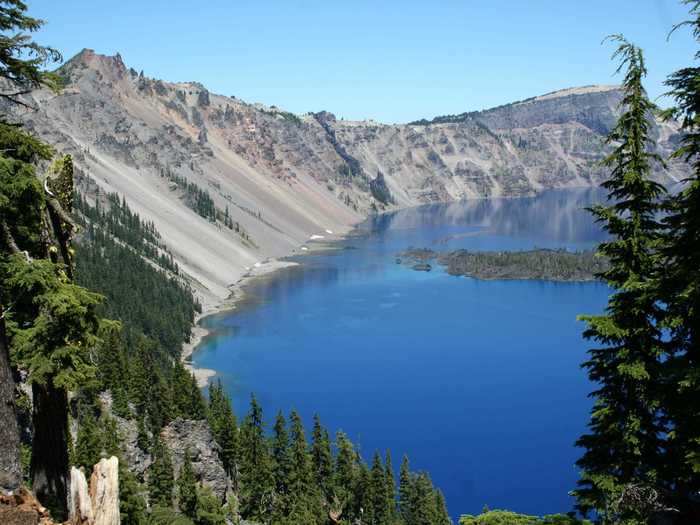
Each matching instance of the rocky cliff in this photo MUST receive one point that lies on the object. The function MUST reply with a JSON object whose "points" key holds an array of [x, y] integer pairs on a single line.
{"points": [[229, 184]]}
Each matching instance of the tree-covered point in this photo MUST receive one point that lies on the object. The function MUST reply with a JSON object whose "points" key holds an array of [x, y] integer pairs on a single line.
{"points": [[539, 264], [285, 479]]}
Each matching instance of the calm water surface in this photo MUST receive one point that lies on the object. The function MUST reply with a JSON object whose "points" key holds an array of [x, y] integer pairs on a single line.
{"points": [[478, 382]]}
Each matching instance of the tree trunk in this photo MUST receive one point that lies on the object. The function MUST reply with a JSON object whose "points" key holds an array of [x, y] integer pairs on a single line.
{"points": [[49, 464], [10, 467]]}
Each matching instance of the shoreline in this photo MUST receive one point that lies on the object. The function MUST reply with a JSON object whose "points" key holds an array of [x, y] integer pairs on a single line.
{"points": [[237, 295], [315, 244]]}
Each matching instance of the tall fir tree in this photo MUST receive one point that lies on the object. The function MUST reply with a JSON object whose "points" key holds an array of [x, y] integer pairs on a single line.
{"points": [[89, 441], [390, 487], [282, 463], [321, 457], [160, 476], [187, 488], [405, 490], [224, 426], [257, 482], [623, 445], [680, 291], [379, 496]]}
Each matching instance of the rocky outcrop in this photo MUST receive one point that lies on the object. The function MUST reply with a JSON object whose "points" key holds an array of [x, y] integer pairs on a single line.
{"points": [[195, 438]]}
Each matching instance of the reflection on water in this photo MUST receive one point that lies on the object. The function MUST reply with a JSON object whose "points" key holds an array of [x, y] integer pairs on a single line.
{"points": [[558, 216], [478, 382]]}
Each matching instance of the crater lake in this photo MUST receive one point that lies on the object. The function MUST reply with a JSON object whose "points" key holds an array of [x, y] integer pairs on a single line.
{"points": [[478, 382]]}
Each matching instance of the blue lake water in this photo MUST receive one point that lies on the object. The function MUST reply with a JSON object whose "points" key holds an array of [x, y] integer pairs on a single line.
{"points": [[478, 382]]}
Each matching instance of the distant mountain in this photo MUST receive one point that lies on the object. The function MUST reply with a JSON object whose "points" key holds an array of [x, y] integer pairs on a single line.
{"points": [[229, 183]]}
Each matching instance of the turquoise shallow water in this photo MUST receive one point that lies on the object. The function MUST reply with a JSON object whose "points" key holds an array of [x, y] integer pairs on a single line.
{"points": [[477, 381]]}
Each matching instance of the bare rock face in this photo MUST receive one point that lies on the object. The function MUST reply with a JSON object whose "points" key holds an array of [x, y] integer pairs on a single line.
{"points": [[196, 438], [136, 459], [285, 177], [104, 492]]}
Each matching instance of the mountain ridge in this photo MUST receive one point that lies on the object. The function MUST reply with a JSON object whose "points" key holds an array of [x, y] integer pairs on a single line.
{"points": [[272, 180]]}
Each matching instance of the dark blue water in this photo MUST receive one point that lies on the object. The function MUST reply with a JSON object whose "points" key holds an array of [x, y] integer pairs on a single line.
{"points": [[478, 382]]}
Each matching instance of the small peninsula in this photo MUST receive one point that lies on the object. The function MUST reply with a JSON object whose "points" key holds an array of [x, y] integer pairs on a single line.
{"points": [[537, 264]]}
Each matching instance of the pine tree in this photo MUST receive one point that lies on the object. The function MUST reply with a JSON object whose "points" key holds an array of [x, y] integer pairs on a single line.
{"points": [[160, 475], [132, 507], [322, 458], [390, 487], [345, 475], [89, 442], [282, 460], [209, 511], [623, 444], [257, 483], [304, 498], [680, 291], [379, 497], [405, 490], [364, 498], [224, 426], [187, 488], [441, 514]]}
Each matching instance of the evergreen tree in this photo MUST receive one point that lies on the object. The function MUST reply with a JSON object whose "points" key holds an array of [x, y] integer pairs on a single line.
{"points": [[89, 442], [257, 482], [364, 498], [209, 511], [405, 490], [282, 459], [390, 487], [322, 458], [304, 497], [224, 426], [441, 514], [623, 444], [187, 488], [160, 476], [345, 475], [132, 507], [680, 291], [379, 497]]}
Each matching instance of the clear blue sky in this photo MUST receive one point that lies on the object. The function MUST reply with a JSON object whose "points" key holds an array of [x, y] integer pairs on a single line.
{"points": [[393, 61]]}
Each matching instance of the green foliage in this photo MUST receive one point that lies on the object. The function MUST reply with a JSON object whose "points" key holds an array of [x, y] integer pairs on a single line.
{"points": [[53, 323], [132, 506], [505, 517], [322, 458], [116, 220], [224, 426], [160, 476], [622, 445], [680, 289], [282, 461], [147, 299], [209, 510], [21, 59], [257, 483], [187, 488], [165, 515], [541, 264], [89, 441]]}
